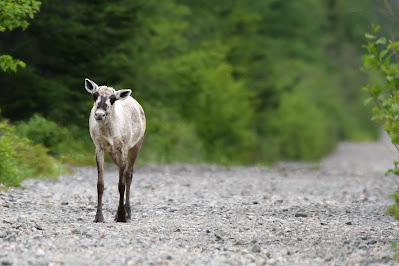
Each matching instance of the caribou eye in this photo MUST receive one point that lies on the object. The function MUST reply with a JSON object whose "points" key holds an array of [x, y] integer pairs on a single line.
{"points": [[95, 96], [112, 99]]}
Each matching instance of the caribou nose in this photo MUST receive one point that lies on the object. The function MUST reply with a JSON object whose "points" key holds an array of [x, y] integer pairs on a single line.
{"points": [[99, 115]]}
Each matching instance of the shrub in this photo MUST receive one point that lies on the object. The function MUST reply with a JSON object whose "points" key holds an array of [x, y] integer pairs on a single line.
{"points": [[385, 94], [170, 139], [303, 131], [20, 159], [42, 131], [70, 145]]}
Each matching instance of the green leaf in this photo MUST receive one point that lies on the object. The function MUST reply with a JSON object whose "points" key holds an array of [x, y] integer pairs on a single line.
{"points": [[369, 36], [394, 138], [383, 53], [381, 40], [368, 100], [376, 90]]}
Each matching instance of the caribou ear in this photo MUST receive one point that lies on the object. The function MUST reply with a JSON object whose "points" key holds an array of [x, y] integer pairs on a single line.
{"points": [[90, 86], [123, 94]]}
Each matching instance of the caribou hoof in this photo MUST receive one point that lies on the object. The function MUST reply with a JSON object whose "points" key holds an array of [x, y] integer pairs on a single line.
{"points": [[99, 218], [121, 215]]}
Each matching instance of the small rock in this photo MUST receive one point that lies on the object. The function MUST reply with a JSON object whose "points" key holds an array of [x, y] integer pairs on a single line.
{"points": [[168, 257], [219, 234], [255, 202], [75, 231], [40, 252], [271, 262], [372, 242], [301, 215], [38, 227], [244, 252], [348, 223], [260, 262], [385, 259], [328, 258], [239, 243], [256, 248], [6, 263]]}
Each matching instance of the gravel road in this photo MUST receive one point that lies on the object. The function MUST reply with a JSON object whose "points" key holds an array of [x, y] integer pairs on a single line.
{"points": [[329, 213]]}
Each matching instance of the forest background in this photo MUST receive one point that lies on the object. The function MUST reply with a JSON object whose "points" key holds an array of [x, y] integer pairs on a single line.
{"points": [[226, 82]]}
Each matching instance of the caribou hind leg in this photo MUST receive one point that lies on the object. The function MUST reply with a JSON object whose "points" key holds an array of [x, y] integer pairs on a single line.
{"points": [[121, 212], [133, 153]]}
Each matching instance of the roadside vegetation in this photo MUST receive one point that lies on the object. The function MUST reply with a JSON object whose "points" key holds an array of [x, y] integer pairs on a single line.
{"points": [[21, 159], [382, 60]]}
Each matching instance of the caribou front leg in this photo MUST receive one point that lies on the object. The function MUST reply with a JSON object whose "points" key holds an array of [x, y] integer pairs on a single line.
{"points": [[100, 185], [132, 159]]}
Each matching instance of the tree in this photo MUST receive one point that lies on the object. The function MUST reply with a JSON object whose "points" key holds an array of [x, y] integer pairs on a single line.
{"points": [[13, 15]]}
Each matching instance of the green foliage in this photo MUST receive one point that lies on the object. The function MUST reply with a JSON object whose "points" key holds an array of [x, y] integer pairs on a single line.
{"points": [[384, 94], [394, 209], [62, 143], [8, 63], [20, 159], [42, 131], [13, 15], [169, 138], [297, 138], [382, 57]]}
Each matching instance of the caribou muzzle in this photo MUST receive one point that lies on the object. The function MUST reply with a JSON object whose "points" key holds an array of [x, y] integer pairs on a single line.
{"points": [[99, 115]]}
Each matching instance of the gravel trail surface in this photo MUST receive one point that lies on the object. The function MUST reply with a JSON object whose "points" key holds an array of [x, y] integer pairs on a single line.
{"points": [[328, 213]]}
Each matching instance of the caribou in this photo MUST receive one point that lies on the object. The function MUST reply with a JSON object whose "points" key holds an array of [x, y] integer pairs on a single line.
{"points": [[117, 124]]}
